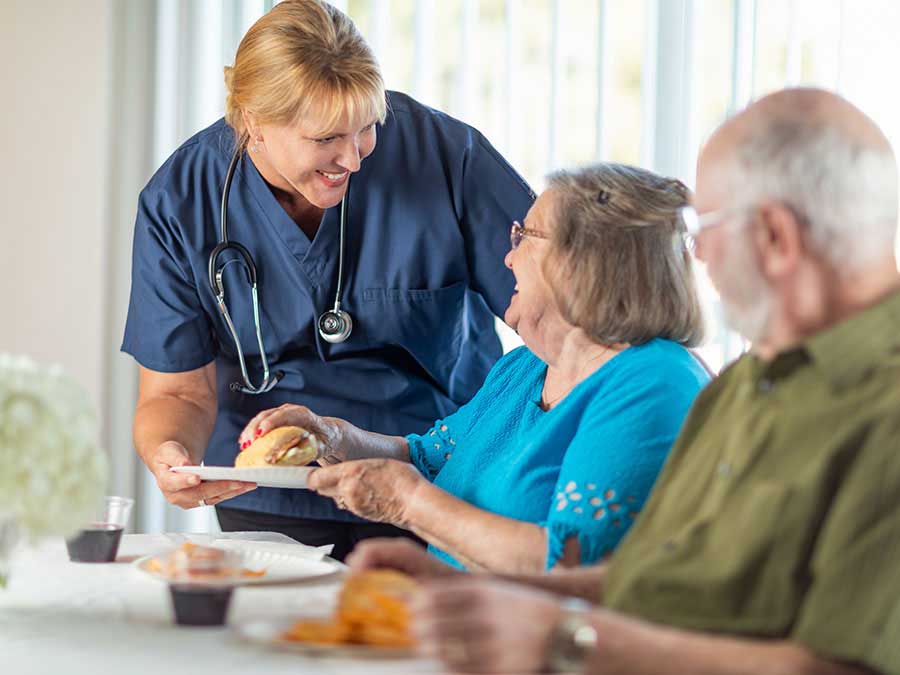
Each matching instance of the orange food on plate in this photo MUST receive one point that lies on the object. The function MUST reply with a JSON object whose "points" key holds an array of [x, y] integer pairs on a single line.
{"points": [[373, 609], [199, 563], [253, 574], [319, 631]]}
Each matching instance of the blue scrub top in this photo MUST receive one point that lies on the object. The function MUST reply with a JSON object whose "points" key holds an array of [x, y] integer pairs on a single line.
{"points": [[427, 230]]}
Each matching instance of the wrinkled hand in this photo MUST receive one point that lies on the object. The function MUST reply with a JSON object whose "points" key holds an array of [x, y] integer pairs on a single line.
{"points": [[376, 489], [477, 625], [326, 429], [185, 489], [399, 554]]}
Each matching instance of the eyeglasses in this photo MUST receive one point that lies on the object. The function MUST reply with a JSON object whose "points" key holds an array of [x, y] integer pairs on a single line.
{"points": [[517, 233], [694, 223]]}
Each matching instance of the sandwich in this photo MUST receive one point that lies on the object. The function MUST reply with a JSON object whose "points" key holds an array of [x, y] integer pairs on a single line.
{"points": [[284, 446]]}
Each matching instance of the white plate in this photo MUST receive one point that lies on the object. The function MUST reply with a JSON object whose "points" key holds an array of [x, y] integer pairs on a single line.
{"points": [[275, 476], [280, 568], [268, 634]]}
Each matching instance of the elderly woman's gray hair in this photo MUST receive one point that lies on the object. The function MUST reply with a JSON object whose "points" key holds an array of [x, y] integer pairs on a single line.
{"points": [[619, 268]]}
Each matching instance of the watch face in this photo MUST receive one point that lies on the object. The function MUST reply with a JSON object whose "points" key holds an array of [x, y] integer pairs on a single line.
{"points": [[585, 636], [573, 640]]}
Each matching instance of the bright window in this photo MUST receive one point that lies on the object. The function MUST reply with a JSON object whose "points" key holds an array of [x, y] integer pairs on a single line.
{"points": [[556, 83]]}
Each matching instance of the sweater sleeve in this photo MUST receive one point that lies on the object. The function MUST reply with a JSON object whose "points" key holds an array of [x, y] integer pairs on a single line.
{"points": [[430, 451]]}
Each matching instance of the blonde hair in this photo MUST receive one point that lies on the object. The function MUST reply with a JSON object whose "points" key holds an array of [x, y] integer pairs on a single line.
{"points": [[618, 267], [304, 59]]}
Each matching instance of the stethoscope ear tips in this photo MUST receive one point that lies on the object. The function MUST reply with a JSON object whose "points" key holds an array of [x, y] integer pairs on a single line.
{"points": [[335, 326]]}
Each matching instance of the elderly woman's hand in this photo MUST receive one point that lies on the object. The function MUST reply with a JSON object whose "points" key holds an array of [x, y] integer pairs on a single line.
{"points": [[398, 554], [376, 489], [327, 429], [480, 625]]}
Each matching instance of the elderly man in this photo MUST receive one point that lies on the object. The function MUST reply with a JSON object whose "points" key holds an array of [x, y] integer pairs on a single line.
{"points": [[771, 543]]}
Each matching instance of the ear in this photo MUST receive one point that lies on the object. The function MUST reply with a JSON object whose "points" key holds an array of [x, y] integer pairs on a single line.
{"points": [[251, 124], [778, 236]]}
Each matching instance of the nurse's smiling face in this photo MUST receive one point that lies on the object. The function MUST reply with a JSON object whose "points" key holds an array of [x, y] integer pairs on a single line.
{"points": [[532, 309], [301, 159]]}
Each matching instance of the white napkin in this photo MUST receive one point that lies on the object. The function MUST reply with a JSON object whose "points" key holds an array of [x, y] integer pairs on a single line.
{"points": [[294, 550]]}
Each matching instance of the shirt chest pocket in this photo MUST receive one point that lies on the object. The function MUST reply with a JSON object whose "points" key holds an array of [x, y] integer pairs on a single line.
{"points": [[427, 323]]}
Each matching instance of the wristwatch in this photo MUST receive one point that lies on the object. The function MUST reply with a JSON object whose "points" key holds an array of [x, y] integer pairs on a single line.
{"points": [[573, 638]]}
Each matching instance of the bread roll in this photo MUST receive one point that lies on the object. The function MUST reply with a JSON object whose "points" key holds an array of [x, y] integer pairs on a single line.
{"points": [[284, 446]]}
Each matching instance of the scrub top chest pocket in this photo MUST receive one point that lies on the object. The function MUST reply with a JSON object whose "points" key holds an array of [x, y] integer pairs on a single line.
{"points": [[425, 322]]}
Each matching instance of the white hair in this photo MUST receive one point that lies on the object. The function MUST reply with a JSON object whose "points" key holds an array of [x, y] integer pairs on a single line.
{"points": [[843, 187]]}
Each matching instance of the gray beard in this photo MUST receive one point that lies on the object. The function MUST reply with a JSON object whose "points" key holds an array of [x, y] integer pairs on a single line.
{"points": [[751, 322]]}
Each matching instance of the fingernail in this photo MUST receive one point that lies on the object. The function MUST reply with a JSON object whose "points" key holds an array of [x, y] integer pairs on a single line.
{"points": [[259, 432], [245, 445]]}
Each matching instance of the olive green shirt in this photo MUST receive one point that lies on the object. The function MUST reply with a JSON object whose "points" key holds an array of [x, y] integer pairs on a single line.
{"points": [[778, 512]]}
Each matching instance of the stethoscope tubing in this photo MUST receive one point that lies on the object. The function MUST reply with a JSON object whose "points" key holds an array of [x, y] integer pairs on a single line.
{"points": [[216, 282]]}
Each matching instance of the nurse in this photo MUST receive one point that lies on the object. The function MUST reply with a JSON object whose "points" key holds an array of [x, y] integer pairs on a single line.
{"points": [[427, 204]]}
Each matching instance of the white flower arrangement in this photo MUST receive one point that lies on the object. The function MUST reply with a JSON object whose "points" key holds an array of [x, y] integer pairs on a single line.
{"points": [[52, 473]]}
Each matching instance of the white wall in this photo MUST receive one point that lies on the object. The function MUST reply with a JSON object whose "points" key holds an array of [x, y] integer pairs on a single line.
{"points": [[54, 79]]}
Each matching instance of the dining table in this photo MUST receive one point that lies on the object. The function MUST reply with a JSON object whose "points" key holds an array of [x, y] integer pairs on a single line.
{"points": [[64, 618]]}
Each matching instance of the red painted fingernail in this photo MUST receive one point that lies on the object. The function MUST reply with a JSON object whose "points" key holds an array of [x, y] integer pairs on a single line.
{"points": [[259, 432], [245, 444]]}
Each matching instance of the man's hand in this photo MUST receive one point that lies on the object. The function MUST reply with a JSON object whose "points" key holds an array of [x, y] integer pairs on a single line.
{"points": [[480, 625], [376, 489], [185, 489], [399, 554]]}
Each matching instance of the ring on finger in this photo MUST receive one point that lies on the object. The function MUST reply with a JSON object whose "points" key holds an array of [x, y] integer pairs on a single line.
{"points": [[340, 503], [202, 502]]}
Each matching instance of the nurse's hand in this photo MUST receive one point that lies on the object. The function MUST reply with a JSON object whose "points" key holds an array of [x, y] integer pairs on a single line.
{"points": [[326, 429], [376, 489], [185, 489]]}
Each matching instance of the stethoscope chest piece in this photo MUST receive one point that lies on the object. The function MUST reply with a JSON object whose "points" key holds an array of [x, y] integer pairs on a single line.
{"points": [[335, 325]]}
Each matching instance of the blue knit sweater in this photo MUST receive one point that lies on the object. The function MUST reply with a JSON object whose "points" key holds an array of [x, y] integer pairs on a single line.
{"points": [[582, 469]]}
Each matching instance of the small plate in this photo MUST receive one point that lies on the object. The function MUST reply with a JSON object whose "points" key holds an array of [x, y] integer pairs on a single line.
{"points": [[268, 634], [275, 476], [279, 568]]}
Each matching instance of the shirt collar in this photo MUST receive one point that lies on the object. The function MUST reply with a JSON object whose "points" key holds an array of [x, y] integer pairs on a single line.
{"points": [[848, 351]]}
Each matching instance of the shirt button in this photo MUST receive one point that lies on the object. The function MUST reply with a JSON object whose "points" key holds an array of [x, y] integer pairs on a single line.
{"points": [[765, 385], [724, 469]]}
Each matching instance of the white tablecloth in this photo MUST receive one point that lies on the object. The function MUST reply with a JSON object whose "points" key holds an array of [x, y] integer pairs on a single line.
{"points": [[64, 618]]}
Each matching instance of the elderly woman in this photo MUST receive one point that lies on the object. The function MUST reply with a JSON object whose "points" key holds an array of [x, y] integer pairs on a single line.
{"points": [[553, 458]]}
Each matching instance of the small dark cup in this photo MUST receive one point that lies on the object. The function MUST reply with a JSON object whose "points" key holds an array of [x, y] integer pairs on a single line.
{"points": [[99, 541], [198, 605], [95, 544]]}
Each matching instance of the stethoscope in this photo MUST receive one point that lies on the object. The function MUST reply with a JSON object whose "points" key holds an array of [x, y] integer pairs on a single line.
{"points": [[334, 325]]}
